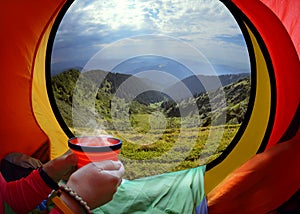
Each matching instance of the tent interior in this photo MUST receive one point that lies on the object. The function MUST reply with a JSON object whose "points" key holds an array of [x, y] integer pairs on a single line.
{"points": [[259, 174]]}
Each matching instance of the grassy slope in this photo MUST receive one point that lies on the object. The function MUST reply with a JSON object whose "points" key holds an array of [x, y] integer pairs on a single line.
{"points": [[154, 140]]}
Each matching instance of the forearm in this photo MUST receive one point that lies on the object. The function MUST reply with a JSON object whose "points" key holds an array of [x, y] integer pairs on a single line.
{"points": [[25, 194]]}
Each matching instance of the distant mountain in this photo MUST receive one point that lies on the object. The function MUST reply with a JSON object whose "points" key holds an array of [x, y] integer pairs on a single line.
{"points": [[59, 67], [108, 85], [195, 85], [146, 63], [125, 87]]}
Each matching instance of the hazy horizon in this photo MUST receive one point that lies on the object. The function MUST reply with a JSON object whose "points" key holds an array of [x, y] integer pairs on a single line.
{"points": [[190, 32]]}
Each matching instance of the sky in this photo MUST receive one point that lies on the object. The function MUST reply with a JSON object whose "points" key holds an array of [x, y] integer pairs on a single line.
{"points": [[195, 33]]}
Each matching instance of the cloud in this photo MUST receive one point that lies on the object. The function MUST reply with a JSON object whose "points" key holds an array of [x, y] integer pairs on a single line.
{"points": [[206, 25]]}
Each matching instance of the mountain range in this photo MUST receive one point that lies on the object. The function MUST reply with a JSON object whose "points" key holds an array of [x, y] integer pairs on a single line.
{"points": [[143, 93]]}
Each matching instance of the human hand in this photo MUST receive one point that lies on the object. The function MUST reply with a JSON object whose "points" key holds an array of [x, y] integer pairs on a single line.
{"points": [[97, 182], [61, 167]]}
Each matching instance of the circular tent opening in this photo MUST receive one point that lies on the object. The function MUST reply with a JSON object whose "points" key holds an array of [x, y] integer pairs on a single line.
{"points": [[173, 81]]}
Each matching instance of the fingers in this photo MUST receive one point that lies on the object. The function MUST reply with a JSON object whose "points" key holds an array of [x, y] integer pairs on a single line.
{"points": [[61, 167], [109, 169], [117, 173], [114, 168], [108, 165], [69, 158], [104, 174]]}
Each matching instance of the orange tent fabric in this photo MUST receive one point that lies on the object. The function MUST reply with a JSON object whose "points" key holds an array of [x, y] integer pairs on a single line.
{"points": [[262, 184], [23, 24]]}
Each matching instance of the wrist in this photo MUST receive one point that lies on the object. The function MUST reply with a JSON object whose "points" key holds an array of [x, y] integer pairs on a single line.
{"points": [[74, 200], [51, 171], [71, 203], [47, 179]]}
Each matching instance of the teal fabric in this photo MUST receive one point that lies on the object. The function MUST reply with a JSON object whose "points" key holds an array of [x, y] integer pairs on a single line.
{"points": [[173, 193]]}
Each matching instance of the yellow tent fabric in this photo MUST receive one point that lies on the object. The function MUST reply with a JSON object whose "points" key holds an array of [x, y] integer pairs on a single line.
{"points": [[257, 125]]}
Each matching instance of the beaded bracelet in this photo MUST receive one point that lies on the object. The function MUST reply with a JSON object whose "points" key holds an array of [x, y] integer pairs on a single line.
{"points": [[76, 197]]}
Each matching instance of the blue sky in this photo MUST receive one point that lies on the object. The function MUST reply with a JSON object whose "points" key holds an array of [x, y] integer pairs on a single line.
{"points": [[192, 32]]}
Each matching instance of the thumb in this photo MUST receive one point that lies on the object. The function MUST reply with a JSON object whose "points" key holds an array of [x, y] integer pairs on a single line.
{"points": [[70, 159], [61, 166]]}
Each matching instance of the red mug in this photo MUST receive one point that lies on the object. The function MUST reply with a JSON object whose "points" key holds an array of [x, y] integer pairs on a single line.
{"points": [[94, 148]]}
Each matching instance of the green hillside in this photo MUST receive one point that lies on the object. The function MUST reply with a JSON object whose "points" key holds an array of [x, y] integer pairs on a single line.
{"points": [[150, 124], [237, 98]]}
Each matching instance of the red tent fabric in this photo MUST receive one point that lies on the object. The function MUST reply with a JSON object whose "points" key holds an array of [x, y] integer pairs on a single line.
{"points": [[281, 38]]}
